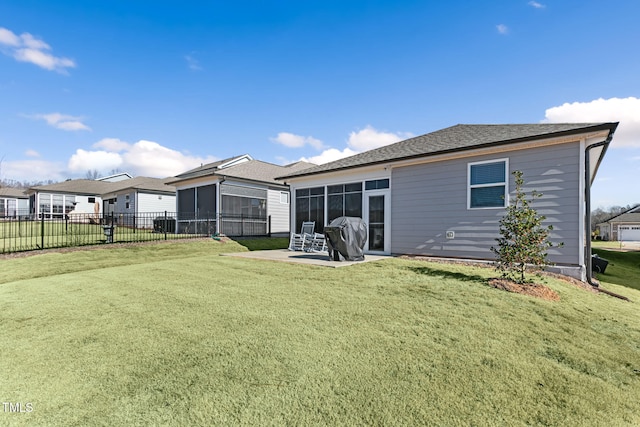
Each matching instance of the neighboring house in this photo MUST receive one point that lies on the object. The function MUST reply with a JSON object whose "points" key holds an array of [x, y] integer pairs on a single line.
{"points": [[86, 198], [13, 202], [82, 196], [622, 227], [140, 195], [442, 194], [235, 196]]}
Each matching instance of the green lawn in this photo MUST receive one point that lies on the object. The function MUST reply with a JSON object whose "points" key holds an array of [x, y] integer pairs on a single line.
{"points": [[34, 235], [623, 267], [174, 334]]}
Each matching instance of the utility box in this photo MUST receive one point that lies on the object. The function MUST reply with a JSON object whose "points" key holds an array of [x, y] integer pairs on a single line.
{"points": [[109, 230], [599, 265]]}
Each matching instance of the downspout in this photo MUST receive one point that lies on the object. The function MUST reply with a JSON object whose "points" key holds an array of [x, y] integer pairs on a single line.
{"points": [[587, 189]]}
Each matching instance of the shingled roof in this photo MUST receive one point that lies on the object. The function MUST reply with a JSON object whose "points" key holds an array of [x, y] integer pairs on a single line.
{"points": [[207, 169], [252, 170], [13, 193], [144, 183], [456, 138], [632, 215], [94, 187], [77, 186]]}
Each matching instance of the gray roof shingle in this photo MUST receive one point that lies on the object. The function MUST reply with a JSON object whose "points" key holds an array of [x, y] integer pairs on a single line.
{"points": [[632, 215], [93, 187], [456, 138], [13, 193], [252, 170]]}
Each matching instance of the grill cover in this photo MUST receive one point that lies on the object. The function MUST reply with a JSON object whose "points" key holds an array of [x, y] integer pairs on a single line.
{"points": [[346, 237]]}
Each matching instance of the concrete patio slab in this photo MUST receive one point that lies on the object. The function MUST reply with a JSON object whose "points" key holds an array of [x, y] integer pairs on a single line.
{"points": [[285, 255]]}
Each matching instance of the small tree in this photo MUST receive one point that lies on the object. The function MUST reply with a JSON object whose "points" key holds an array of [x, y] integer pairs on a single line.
{"points": [[524, 240]]}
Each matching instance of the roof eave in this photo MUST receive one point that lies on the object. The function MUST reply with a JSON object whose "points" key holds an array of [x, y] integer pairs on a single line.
{"points": [[604, 126]]}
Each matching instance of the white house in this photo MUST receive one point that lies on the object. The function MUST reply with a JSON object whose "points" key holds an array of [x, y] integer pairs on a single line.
{"points": [[236, 196]]}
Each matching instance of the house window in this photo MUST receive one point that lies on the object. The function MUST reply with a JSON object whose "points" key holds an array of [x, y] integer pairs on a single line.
{"points": [[310, 207], [91, 200], [45, 204], [487, 184], [69, 203], [344, 200], [244, 207], [284, 197], [376, 184]]}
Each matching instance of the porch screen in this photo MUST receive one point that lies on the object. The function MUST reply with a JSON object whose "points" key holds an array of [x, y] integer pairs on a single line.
{"points": [[310, 207], [186, 203], [345, 200], [206, 201]]}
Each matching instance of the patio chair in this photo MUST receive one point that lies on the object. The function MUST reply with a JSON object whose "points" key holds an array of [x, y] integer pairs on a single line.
{"points": [[316, 242], [298, 241]]}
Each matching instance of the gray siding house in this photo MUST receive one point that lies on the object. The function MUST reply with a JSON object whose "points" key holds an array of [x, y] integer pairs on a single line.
{"points": [[442, 194], [236, 196]]}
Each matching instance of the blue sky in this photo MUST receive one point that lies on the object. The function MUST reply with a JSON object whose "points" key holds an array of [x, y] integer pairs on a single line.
{"points": [[156, 87]]}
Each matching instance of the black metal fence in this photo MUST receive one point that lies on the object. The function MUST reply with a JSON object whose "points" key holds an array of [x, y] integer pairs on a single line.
{"points": [[26, 232]]}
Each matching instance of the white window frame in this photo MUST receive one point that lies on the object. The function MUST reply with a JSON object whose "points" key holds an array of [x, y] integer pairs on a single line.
{"points": [[284, 197], [493, 184]]}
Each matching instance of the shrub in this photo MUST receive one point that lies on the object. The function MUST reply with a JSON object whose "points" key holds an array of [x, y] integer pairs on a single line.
{"points": [[524, 240]]}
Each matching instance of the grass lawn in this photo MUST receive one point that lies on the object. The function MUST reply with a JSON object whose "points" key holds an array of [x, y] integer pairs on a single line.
{"points": [[173, 334], [623, 267], [34, 235]]}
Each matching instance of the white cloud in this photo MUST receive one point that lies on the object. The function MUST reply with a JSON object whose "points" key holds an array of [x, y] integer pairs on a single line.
{"points": [[329, 155], [84, 160], [537, 5], [33, 170], [112, 144], [7, 38], [145, 158], [296, 141], [27, 48], [370, 138], [502, 29], [362, 140], [623, 110], [193, 63], [31, 153], [62, 121]]}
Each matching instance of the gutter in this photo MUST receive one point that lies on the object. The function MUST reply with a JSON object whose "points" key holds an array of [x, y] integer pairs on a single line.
{"points": [[587, 189]]}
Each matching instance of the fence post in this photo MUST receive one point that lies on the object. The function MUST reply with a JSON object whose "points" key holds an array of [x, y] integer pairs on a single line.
{"points": [[165, 225], [41, 231], [269, 226], [112, 234]]}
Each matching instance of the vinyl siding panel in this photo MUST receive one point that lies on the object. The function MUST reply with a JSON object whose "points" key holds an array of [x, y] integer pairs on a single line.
{"points": [[279, 212], [430, 199], [156, 203]]}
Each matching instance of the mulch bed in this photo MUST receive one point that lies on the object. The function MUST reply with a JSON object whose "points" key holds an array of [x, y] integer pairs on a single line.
{"points": [[537, 290], [532, 289]]}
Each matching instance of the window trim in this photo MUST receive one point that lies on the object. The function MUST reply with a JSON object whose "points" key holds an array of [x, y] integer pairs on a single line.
{"points": [[287, 198], [493, 184]]}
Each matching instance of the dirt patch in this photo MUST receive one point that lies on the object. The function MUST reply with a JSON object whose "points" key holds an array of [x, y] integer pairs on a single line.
{"points": [[531, 289]]}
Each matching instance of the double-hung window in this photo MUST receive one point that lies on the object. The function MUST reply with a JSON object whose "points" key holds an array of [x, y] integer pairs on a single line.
{"points": [[487, 184]]}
